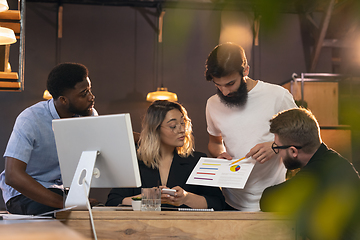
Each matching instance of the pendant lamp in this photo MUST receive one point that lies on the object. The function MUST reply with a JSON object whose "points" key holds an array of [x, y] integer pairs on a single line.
{"points": [[3, 5], [7, 35], [161, 93], [47, 95]]}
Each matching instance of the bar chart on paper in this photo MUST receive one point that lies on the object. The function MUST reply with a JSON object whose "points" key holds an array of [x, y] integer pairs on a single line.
{"points": [[218, 172]]}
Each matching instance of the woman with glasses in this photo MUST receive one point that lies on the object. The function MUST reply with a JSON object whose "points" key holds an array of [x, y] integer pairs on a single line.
{"points": [[166, 158]]}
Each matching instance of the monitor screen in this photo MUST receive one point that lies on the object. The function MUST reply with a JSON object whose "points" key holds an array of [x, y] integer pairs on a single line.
{"points": [[112, 136]]}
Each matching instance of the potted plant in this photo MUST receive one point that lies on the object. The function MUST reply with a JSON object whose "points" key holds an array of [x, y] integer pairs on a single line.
{"points": [[136, 203]]}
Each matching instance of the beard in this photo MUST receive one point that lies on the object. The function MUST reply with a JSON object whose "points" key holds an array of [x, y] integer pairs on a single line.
{"points": [[235, 99], [291, 163], [80, 112]]}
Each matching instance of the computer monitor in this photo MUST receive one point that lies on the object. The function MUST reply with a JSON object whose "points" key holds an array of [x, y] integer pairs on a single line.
{"points": [[95, 151]]}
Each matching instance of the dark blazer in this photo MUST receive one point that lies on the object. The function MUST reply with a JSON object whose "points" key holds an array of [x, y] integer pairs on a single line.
{"points": [[180, 170], [327, 188]]}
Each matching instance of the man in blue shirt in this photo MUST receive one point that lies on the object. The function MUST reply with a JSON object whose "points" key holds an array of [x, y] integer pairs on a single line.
{"points": [[31, 182]]}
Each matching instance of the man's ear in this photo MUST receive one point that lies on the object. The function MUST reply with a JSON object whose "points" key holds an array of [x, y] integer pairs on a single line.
{"points": [[246, 71], [294, 151], [63, 100]]}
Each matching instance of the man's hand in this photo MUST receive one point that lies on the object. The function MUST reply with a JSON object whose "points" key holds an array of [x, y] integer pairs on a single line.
{"points": [[216, 146], [225, 155], [262, 152]]}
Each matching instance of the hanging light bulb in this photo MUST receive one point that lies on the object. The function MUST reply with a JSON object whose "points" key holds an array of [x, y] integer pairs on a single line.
{"points": [[7, 35], [47, 95], [161, 94]]}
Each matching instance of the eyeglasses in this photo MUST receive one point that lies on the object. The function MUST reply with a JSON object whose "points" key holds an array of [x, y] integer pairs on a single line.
{"points": [[175, 127], [276, 148]]}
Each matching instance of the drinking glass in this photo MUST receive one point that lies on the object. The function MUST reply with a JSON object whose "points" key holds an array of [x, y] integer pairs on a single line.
{"points": [[150, 199]]}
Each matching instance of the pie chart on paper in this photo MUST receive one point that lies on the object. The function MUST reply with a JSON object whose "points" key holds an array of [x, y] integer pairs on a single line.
{"points": [[235, 168]]}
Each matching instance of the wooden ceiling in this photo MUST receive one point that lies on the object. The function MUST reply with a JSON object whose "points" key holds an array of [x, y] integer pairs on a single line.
{"points": [[324, 23], [285, 6]]}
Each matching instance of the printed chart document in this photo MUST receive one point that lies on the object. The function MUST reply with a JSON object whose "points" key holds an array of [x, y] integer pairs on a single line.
{"points": [[218, 172]]}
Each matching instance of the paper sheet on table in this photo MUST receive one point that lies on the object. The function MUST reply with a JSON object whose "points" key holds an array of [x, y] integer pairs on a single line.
{"points": [[21, 217], [10, 216], [218, 172]]}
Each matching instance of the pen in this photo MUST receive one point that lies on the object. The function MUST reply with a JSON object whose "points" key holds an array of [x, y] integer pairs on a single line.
{"points": [[237, 161]]}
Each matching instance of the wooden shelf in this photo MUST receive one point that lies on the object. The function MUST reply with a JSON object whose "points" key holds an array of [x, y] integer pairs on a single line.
{"points": [[4, 76], [11, 19], [322, 99], [10, 84], [9, 81], [338, 138], [10, 15]]}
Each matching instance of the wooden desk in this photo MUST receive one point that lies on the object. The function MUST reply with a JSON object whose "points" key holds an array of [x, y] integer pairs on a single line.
{"points": [[180, 225], [36, 230]]}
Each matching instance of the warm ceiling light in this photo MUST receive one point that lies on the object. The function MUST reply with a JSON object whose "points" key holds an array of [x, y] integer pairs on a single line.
{"points": [[161, 94], [7, 36], [3, 5], [47, 95]]}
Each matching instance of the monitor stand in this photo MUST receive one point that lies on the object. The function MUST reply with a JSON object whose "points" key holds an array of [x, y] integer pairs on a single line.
{"points": [[80, 186]]}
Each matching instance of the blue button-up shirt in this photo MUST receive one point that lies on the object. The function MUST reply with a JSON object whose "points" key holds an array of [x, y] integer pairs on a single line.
{"points": [[32, 141]]}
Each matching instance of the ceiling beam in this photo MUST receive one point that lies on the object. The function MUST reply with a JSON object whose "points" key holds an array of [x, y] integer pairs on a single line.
{"points": [[240, 5], [320, 39]]}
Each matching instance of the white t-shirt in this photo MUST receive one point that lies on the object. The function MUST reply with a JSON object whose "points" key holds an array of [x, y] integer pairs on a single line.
{"points": [[241, 129]]}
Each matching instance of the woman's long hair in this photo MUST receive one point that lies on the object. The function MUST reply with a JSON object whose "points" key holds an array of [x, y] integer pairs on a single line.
{"points": [[149, 142]]}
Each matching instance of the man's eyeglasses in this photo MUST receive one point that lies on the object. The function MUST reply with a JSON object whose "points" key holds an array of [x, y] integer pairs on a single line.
{"points": [[276, 148], [175, 127]]}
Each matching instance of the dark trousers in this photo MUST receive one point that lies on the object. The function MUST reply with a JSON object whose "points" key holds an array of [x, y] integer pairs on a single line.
{"points": [[229, 208], [24, 205]]}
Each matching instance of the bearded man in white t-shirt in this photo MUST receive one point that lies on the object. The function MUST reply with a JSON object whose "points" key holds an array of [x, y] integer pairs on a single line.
{"points": [[238, 122]]}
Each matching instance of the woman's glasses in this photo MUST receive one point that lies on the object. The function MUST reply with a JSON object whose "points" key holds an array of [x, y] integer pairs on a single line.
{"points": [[175, 127]]}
